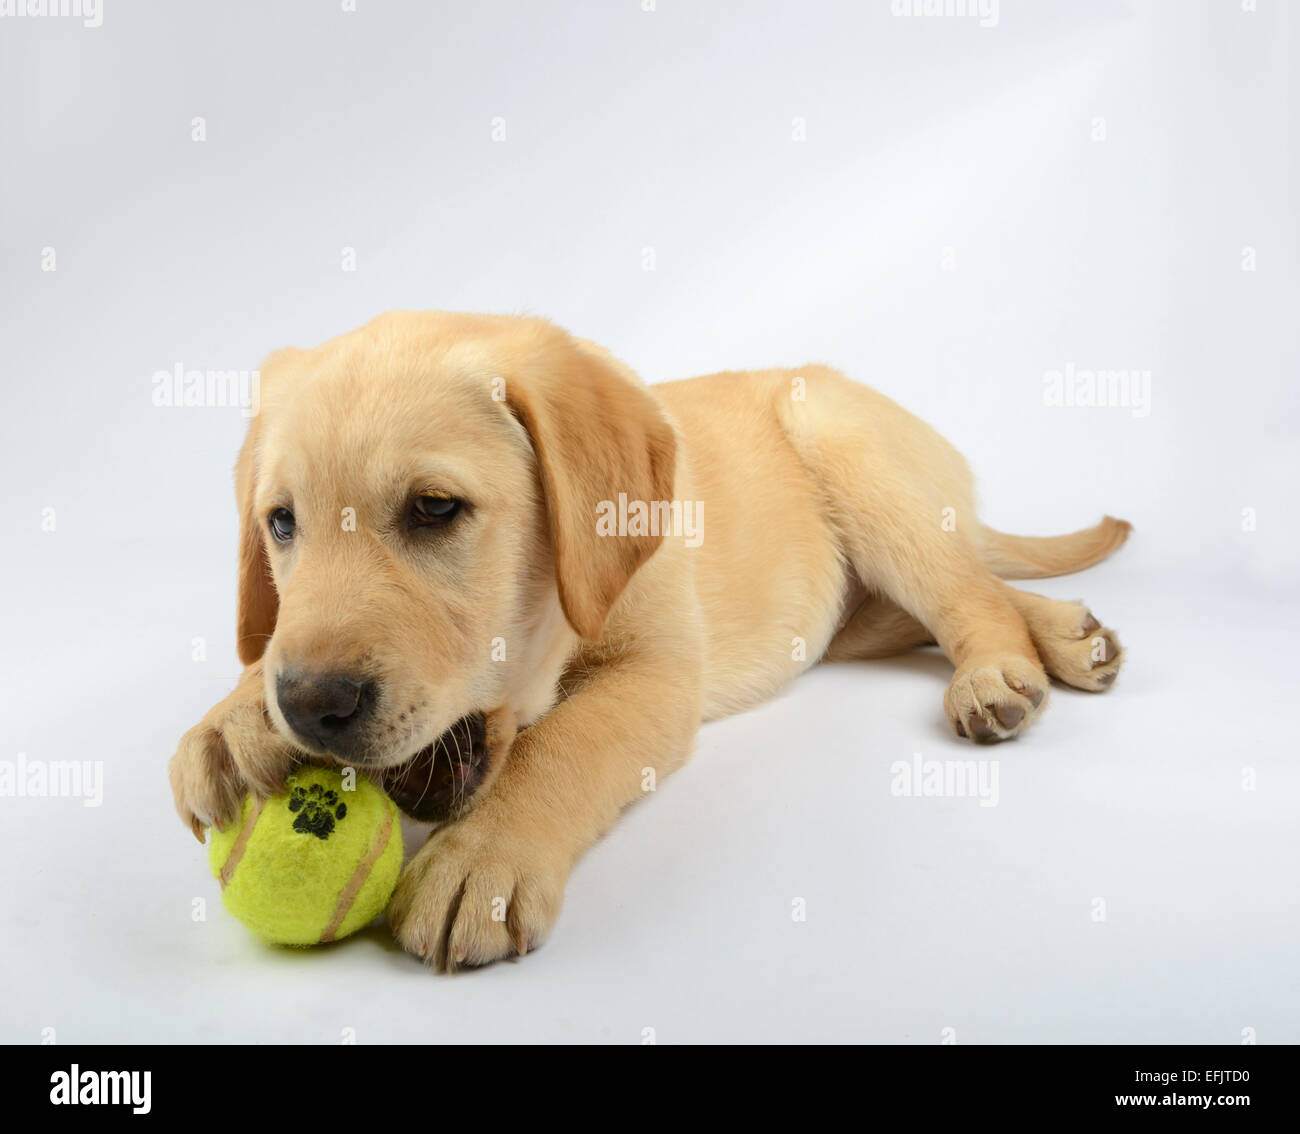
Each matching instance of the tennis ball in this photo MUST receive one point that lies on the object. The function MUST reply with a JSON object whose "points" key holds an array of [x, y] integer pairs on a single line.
{"points": [[313, 864]]}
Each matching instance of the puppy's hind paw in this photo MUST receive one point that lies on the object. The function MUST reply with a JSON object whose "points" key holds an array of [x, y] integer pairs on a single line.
{"points": [[995, 699]]}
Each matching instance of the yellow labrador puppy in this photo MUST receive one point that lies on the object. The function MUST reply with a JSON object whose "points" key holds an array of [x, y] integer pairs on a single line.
{"points": [[486, 565]]}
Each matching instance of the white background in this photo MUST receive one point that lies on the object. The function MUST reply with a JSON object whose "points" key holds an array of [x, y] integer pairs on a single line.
{"points": [[672, 130]]}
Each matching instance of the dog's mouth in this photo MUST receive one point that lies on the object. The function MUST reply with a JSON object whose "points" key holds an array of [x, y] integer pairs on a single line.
{"points": [[437, 782]]}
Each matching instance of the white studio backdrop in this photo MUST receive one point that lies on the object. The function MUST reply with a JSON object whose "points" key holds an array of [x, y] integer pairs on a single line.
{"points": [[966, 210]]}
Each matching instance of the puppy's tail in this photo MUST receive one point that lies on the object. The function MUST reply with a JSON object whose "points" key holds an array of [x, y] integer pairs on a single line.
{"points": [[1037, 557]]}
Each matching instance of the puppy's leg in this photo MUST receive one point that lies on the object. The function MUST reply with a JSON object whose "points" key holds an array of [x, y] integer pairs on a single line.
{"points": [[1000, 684], [902, 502], [491, 884], [1074, 646], [231, 751]]}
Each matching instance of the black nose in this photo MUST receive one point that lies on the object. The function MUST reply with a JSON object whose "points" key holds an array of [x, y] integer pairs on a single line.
{"points": [[328, 710]]}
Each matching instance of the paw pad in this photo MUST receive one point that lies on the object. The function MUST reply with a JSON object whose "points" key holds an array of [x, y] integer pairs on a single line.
{"points": [[1008, 715]]}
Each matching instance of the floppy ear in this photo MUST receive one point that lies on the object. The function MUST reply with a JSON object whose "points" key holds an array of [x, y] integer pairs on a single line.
{"points": [[258, 601], [596, 434]]}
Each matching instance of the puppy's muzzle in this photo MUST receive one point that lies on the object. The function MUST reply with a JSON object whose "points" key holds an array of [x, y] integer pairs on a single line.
{"points": [[331, 712]]}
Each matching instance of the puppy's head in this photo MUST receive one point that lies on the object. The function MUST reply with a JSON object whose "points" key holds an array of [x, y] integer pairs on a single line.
{"points": [[419, 550]]}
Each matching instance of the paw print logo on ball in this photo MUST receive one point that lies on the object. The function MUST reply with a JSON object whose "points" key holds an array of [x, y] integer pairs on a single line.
{"points": [[316, 810]]}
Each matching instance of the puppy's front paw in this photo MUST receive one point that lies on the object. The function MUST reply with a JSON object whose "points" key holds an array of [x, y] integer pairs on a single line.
{"points": [[474, 894], [233, 750], [992, 699]]}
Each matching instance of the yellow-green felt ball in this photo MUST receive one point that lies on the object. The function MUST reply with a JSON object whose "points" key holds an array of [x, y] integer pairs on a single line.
{"points": [[311, 865]]}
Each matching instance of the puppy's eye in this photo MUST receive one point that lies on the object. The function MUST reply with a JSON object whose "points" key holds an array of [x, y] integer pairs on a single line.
{"points": [[433, 511], [282, 524]]}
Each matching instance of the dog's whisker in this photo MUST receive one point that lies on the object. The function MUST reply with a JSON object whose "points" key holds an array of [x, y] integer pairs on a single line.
{"points": [[428, 779], [456, 790]]}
